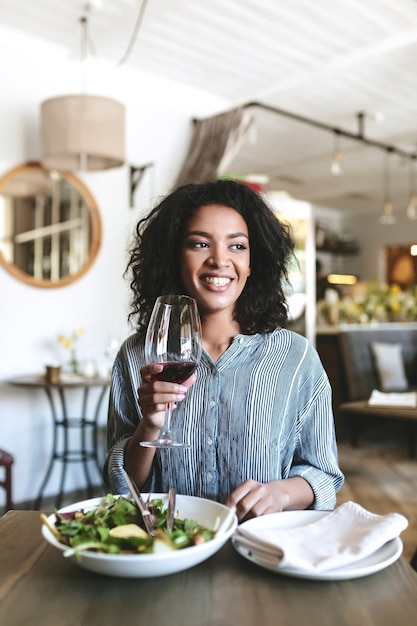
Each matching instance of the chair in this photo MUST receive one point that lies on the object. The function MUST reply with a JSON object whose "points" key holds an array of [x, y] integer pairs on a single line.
{"points": [[6, 461]]}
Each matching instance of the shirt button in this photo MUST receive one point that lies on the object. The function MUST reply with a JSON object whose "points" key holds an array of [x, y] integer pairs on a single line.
{"points": [[212, 404], [209, 441], [241, 340], [209, 477]]}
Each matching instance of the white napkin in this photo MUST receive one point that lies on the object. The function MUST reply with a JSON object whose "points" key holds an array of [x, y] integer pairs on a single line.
{"points": [[340, 538], [405, 399]]}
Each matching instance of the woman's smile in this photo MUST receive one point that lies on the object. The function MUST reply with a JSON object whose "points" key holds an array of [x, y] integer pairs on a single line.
{"points": [[216, 281]]}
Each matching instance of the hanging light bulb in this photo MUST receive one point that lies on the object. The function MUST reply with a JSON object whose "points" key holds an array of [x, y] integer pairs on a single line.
{"points": [[336, 165], [387, 216], [412, 202], [412, 208]]}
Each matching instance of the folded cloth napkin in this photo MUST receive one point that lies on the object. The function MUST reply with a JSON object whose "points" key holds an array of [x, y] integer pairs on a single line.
{"points": [[406, 399], [340, 538]]}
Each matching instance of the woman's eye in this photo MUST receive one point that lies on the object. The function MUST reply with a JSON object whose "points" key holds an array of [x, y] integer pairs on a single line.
{"points": [[238, 246], [198, 244]]}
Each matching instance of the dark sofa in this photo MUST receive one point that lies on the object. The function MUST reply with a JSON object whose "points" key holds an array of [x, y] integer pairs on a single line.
{"points": [[361, 376]]}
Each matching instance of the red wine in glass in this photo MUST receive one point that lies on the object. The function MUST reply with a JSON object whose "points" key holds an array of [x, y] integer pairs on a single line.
{"points": [[173, 340], [175, 371]]}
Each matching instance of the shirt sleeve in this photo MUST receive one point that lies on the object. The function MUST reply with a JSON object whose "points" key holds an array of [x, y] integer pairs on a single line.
{"points": [[124, 414], [122, 419], [316, 458]]}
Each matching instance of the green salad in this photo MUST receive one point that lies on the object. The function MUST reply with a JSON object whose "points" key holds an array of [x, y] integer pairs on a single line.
{"points": [[116, 527]]}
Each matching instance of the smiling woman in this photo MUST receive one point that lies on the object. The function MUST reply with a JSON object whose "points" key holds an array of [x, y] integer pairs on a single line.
{"points": [[50, 227]]}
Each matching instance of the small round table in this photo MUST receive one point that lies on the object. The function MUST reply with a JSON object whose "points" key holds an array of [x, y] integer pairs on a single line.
{"points": [[86, 450]]}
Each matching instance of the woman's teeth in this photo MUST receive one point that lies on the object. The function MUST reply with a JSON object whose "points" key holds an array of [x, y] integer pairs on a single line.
{"points": [[217, 282]]}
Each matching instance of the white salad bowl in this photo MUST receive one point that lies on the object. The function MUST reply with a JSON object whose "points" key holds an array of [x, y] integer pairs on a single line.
{"points": [[203, 511]]}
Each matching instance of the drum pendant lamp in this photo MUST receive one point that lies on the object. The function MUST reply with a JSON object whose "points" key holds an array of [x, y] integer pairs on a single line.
{"points": [[82, 132]]}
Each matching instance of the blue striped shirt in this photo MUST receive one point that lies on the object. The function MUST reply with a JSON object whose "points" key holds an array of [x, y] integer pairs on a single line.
{"points": [[262, 411]]}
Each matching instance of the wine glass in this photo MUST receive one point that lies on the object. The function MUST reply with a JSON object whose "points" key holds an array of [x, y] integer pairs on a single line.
{"points": [[173, 339]]}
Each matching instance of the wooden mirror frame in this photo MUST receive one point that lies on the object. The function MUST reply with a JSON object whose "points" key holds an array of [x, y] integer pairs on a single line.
{"points": [[96, 228]]}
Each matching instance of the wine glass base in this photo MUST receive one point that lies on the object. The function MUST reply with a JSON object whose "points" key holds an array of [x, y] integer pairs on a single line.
{"points": [[164, 443]]}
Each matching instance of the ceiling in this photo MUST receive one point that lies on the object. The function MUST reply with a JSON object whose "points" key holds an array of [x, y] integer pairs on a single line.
{"points": [[322, 60]]}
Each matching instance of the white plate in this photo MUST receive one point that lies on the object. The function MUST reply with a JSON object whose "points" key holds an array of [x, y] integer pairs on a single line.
{"points": [[160, 564], [382, 558]]}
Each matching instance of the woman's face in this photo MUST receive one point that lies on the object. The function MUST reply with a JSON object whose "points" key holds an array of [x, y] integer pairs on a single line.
{"points": [[215, 257]]}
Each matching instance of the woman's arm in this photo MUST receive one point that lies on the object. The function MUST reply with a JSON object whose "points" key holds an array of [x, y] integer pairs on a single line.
{"points": [[135, 414], [153, 396]]}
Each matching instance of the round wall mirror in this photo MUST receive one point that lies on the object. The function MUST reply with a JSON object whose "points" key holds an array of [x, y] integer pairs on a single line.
{"points": [[50, 227]]}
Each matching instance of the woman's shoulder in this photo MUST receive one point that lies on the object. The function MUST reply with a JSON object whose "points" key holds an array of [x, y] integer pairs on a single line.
{"points": [[129, 360], [132, 341], [291, 342], [286, 336], [132, 347]]}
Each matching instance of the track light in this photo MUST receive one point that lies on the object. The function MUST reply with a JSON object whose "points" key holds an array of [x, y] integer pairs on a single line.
{"points": [[412, 208], [412, 202], [387, 217], [336, 165]]}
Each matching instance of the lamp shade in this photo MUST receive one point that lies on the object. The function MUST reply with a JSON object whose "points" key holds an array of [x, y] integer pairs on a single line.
{"points": [[82, 132]]}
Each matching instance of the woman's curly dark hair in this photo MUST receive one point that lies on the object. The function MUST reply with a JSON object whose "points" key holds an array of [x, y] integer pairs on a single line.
{"points": [[154, 266]]}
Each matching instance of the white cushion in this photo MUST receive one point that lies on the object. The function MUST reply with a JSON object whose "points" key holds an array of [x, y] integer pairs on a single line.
{"points": [[389, 364]]}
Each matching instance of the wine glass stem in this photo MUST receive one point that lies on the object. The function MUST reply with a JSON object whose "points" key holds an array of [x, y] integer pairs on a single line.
{"points": [[170, 484], [165, 431]]}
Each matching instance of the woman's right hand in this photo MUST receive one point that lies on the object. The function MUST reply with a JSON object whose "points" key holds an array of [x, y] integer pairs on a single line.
{"points": [[154, 395]]}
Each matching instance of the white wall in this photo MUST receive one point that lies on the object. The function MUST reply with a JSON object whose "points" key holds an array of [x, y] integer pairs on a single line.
{"points": [[159, 115]]}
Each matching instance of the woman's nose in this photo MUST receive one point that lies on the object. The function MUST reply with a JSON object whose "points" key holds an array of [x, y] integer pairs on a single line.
{"points": [[219, 257]]}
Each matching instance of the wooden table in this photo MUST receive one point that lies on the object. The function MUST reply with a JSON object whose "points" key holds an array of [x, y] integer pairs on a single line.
{"points": [[39, 586], [63, 450]]}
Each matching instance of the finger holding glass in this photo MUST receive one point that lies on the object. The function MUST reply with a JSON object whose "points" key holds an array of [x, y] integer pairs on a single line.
{"points": [[153, 395]]}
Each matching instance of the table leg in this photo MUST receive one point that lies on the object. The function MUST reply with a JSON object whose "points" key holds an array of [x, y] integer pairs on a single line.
{"points": [[84, 452], [38, 501], [64, 456], [412, 439], [96, 430]]}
